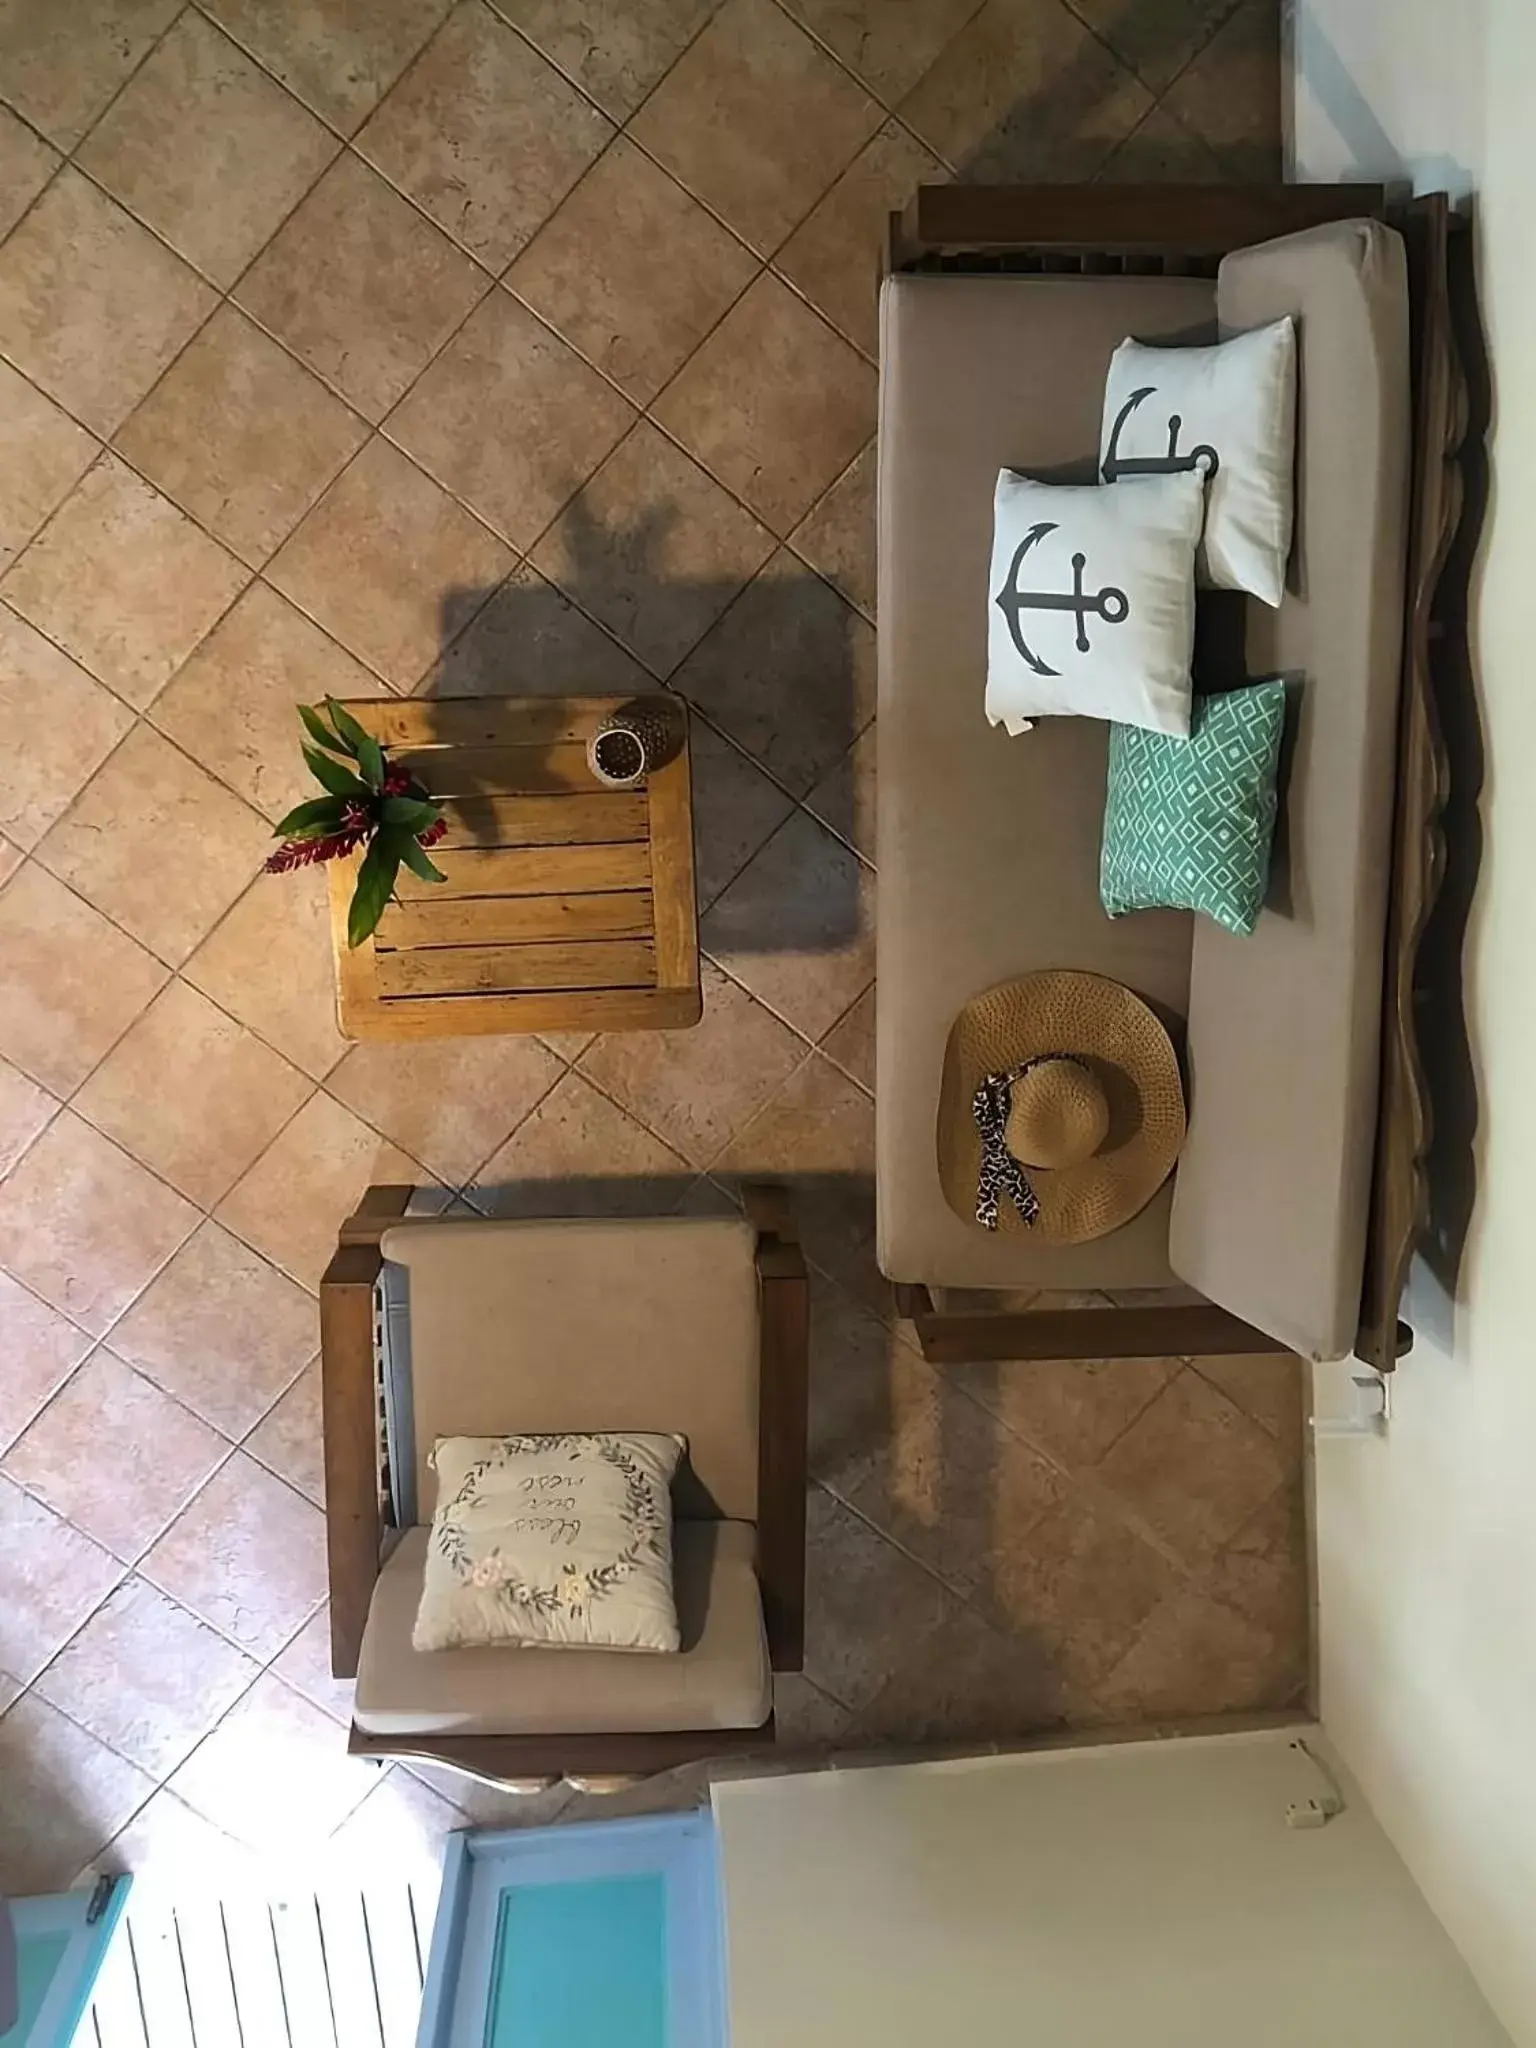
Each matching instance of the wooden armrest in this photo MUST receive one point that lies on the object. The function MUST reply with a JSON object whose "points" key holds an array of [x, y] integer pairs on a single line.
{"points": [[382, 1204], [1188, 220], [353, 1527], [782, 1427]]}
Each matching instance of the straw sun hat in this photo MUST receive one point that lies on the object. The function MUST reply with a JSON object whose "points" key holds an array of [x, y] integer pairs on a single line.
{"points": [[1061, 1110]]}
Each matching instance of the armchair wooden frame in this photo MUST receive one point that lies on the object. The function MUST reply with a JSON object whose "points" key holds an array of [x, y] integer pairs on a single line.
{"points": [[359, 1526], [1185, 230]]}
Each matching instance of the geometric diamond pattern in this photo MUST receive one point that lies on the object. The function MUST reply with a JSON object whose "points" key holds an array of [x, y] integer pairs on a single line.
{"points": [[522, 347], [1188, 823]]}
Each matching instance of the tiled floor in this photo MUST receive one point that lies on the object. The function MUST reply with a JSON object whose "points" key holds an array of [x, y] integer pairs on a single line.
{"points": [[422, 346]]}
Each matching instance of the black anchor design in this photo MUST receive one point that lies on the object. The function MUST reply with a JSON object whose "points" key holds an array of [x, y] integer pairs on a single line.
{"points": [[1109, 604], [1116, 465]]}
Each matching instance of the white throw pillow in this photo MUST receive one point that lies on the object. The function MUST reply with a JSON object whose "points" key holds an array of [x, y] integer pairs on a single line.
{"points": [[551, 1539], [1228, 412], [1092, 601]]}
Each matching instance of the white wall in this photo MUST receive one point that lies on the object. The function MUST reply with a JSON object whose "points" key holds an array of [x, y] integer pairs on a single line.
{"points": [[1146, 1896], [1427, 1542]]}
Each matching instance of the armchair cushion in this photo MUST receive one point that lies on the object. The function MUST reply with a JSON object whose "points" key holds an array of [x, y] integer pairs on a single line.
{"points": [[719, 1678]]}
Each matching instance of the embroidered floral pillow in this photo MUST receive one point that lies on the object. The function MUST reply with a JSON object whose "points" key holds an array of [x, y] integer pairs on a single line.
{"points": [[551, 1539]]}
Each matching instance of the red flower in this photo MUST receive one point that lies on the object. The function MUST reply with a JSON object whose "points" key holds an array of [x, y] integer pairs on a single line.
{"points": [[433, 833]]}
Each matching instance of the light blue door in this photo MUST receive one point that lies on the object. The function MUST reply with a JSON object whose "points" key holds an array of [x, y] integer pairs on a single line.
{"points": [[606, 1935], [50, 1952]]}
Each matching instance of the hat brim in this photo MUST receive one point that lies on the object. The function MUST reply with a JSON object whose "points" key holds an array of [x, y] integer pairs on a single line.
{"points": [[1113, 1032]]}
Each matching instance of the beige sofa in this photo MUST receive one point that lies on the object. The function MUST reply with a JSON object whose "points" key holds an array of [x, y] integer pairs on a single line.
{"points": [[999, 314]]}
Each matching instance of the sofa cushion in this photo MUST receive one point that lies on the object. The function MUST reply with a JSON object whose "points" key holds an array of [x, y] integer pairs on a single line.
{"points": [[720, 1678], [640, 1324], [1270, 1204], [988, 847]]}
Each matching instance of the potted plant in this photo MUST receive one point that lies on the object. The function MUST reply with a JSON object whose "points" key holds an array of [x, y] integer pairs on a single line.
{"points": [[367, 803]]}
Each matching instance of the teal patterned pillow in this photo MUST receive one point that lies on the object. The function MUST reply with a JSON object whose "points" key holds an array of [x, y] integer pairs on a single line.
{"points": [[1188, 823]]}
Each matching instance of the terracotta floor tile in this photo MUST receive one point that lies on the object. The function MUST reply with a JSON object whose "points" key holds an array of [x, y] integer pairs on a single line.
{"points": [[232, 1095], [805, 1716], [43, 454], [231, 707], [288, 1440], [360, 286], [92, 307], [448, 1102], [45, 1840], [61, 727], [614, 49], [389, 564], [248, 1555], [54, 1578], [306, 1666], [10, 859], [241, 435], [756, 121], [146, 1677], [888, 47], [775, 403], [173, 1853], [204, 148], [1161, 149], [862, 1369], [269, 964], [834, 256], [970, 1682], [338, 58], [275, 1773], [125, 844], [851, 1041], [221, 1329], [580, 1155], [1157, 42], [530, 640], [1273, 1390], [1194, 1467], [653, 548], [1230, 94], [74, 983], [697, 1088], [484, 135], [1073, 1408], [26, 165], [868, 1607], [1025, 92], [291, 1202], [818, 1135], [797, 928], [736, 809], [41, 1348], [632, 271], [61, 67], [1263, 1571], [1192, 1650], [1082, 1584], [401, 1825], [123, 581], [115, 1456], [844, 798], [510, 419], [84, 1226], [837, 535], [788, 673]]}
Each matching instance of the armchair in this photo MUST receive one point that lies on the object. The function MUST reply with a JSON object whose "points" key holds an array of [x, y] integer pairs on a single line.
{"points": [[697, 1325]]}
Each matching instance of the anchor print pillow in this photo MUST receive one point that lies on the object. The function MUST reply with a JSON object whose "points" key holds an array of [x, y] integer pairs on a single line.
{"points": [[1228, 413], [551, 1539], [1091, 602]]}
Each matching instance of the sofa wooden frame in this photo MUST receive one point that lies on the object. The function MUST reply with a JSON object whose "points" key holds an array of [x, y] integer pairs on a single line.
{"points": [[359, 1527], [1186, 230]]}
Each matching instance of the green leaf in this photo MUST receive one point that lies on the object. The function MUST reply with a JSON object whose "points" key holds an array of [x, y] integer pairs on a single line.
{"points": [[320, 815], [375, 884], [331, 775], [415, 858], [319, 731], [412, 811], [360, 741]]}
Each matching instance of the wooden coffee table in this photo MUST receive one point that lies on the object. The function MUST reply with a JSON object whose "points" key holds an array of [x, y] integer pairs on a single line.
{"points": [[568, 906]]}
